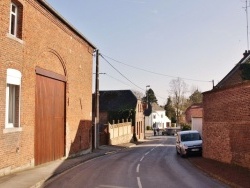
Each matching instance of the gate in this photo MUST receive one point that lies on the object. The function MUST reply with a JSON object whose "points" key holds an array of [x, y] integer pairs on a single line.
{"points": [[50, 118]]}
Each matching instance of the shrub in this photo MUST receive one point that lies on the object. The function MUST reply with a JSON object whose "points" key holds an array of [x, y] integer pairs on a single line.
{"points": [[185, 127]]}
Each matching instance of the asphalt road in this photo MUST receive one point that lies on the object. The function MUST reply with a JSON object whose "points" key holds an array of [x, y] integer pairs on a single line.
{"points": [[153, 164]]}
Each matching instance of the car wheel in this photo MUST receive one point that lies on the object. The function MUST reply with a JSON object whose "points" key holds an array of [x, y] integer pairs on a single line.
{"points": [[181, 154], [177, 151]]}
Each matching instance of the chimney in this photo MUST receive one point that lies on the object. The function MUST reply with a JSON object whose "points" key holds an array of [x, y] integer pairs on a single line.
{"points": [[245, 53]]}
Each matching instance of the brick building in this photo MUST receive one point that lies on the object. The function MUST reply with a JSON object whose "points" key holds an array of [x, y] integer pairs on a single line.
{"points": [[226, 121], [45, 86], [118, 105], [193, 111]]}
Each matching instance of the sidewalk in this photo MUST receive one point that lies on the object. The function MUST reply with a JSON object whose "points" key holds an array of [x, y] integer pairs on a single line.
{"points": [[35, 177]]}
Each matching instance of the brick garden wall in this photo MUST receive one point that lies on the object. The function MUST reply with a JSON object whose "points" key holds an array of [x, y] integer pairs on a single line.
{"points": [[226, 124], [49, 44]]}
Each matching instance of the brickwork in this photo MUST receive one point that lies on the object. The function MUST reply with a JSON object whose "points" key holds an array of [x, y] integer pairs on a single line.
{"points": [[194, 110], [46, 42], [226, 124]]}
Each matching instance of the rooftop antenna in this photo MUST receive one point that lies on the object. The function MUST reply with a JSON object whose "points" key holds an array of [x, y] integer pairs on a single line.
{"points": [[246, 9]]}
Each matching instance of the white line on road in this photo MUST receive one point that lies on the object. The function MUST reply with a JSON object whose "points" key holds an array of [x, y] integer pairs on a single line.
{"points": [[139, 182], [146, 153], [138, 168], [142, 158]]}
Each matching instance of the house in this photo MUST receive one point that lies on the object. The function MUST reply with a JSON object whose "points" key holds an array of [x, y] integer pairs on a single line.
{"points": [[226, 118], [119, 105], [155, 117], [45, 86], [193, 116]]}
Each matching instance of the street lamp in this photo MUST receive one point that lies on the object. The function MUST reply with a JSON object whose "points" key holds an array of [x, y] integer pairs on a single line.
{"points": [[147, 94], [144, 115]]}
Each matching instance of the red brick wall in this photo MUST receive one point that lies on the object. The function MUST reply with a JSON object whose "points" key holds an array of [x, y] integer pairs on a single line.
{"points": [[49, 44], [193, 111], [226, 124]]}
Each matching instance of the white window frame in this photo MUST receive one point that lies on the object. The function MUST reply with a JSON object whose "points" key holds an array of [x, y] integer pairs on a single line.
{"points": [[15, 14], [14, 79]]}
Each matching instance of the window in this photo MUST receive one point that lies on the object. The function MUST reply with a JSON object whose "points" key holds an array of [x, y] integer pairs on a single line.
{"points": [[13, 19], [16, 14], [12, 118]]}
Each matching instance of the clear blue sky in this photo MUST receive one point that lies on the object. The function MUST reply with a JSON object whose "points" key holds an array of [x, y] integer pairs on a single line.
{"points": [[193, 39]]}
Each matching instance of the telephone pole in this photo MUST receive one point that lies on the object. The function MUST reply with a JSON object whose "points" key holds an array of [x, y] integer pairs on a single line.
{"points": [[97, 101]]}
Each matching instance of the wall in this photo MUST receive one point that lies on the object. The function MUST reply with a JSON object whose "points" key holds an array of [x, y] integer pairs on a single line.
{"points": [[194, 110], [139, 121], [49, 44], [120, 133], [226, 125]]}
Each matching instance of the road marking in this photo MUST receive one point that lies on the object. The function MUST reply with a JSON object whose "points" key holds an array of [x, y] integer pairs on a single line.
{"points": [[138, 168], [142, 158], [139, 182], [146, 153]]}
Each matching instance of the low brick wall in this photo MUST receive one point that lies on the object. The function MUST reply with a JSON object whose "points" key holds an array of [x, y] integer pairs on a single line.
{"points": [[226, 125], [120, 133]]}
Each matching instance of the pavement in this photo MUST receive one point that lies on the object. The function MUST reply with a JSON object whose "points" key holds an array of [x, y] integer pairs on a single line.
{"points": [[36, 176]]}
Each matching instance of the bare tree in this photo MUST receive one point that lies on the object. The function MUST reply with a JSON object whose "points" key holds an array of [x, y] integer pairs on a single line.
{"points": [[178, 89]]}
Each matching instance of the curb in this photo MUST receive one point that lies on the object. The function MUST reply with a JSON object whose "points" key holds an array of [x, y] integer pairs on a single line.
{"points": [[50, 178]]}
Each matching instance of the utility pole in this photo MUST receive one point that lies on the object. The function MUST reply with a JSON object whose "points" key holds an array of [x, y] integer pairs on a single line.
{"points": [[246, 9], [146, 109], [97, 101]]}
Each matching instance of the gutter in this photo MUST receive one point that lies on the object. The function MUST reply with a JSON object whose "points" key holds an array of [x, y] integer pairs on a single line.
{"points": [[63, 20]]}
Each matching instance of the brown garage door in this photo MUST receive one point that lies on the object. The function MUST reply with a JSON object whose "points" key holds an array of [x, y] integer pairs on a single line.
{"points": [[50, 119]]}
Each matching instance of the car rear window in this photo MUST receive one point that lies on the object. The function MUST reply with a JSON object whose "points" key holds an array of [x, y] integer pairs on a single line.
{"points": [[190, 137]]}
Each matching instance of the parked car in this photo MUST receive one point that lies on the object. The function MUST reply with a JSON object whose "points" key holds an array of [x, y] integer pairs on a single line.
{"points": [[170, 131], [188, 142]]}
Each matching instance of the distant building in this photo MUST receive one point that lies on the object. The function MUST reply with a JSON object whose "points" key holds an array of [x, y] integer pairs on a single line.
{"points": [[116, 105], [193, 116], [155, 117]]}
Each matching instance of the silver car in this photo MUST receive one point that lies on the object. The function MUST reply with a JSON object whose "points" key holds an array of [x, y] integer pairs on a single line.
{"points": [[188, 142]]}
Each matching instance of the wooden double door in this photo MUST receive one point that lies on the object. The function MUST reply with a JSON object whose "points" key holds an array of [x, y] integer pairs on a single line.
{"points": [[50, 119]]}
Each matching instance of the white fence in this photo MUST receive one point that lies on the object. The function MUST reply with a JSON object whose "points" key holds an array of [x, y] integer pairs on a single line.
{"points": [[120, 133]]}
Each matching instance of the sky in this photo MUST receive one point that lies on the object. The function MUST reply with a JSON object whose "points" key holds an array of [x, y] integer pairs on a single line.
{"points": [[151, 42]]}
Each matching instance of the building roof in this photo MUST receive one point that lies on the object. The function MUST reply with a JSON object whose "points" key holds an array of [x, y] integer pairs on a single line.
{"points": [[156, 107], [48, 7], [114, 100], [245, 59], [152, 107]]}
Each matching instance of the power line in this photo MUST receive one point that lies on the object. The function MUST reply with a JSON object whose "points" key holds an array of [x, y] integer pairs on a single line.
{"points": [[120, 72], [155, 72], [124, 77], [117, 80]]}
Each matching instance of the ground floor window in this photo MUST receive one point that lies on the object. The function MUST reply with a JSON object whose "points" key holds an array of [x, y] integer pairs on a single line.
{"points": [[13, 84]]}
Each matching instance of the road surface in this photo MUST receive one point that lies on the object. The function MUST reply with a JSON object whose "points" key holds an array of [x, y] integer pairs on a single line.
{"points": [[153, 164]]}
